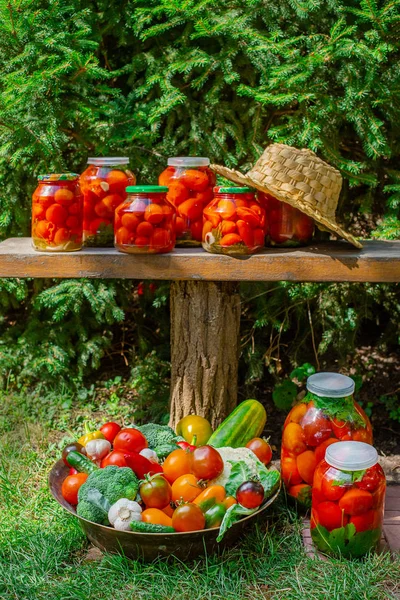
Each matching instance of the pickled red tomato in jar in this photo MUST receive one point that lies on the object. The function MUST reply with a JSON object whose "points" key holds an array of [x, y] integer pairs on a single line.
{"points": [[145, 222], [103, 186], [233, 222], [348, 500], [285, 225], [190, 182], [326, 415], [57, 213]]}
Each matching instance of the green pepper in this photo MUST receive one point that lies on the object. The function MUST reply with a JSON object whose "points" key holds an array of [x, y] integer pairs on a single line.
{"points": [[81, 462], [215, 515], [90, 435]]}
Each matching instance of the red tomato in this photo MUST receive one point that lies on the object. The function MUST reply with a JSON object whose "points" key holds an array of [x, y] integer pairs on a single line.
{"points": [[316, 427], [293, 438], [321, 449], [116, 457], [206, 462], [340, 428], [261, 449], [356, 502], [156, 492], [329, 515], [301, 491], [371, 479], [290, 473], [306, 465], [365, 521], [71, 485], [110, 430], [130, 440], [250, 494], [188, 517], [330, 491], [141, 465], [73, 471]]}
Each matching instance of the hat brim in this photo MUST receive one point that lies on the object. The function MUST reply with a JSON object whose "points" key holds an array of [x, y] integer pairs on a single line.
{"points": [[322, 222]]}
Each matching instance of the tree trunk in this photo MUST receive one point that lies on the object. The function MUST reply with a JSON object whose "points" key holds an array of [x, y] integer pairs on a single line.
{"points": [[205, 321]]}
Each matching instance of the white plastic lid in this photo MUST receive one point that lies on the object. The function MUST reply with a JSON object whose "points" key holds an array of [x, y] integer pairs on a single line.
{"points": [[108, 161], [351, 456], [330, 385], [188, 161]]}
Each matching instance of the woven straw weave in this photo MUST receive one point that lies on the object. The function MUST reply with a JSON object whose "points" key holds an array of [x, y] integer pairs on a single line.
{"points": [[299, 178]]}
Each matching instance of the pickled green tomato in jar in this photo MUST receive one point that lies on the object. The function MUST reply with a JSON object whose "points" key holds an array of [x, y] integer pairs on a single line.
{"points": [[145, 222], [190, 182], [348, 500], [285, 225], [103, 185], [326, 415], [233, 222], [57, 213]]}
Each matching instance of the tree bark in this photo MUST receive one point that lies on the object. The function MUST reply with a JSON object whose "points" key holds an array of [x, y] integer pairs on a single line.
{"points": [[205, 321]]}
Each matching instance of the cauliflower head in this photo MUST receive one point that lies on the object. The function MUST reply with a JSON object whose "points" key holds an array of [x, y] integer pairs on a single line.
{"points": [[233, 455]]}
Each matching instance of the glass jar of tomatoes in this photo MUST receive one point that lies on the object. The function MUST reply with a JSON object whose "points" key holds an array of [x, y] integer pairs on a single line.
{"points": [[190, 182], [233, 222], [57, 213], [103, 186], [326, 415], [348, 500], [285, 225], [145, 222]]}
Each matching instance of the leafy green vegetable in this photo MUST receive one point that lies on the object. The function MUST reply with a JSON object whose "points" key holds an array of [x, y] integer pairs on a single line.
{"points": [[347, 477], [284, 394], [269, 479], [232, 515], [240, 473], [342, 409], [98, 500], [344, 541]]}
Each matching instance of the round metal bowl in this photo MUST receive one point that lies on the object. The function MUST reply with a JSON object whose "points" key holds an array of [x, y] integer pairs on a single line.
{"points": [[149, 546]]}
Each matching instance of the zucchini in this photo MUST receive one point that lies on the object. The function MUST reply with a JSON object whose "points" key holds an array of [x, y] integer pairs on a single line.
{"points": [[244, 423], [142, 527]]}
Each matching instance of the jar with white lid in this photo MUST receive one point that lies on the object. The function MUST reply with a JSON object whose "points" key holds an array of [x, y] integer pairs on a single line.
{"points": [[326, 415], [103, 185], [190, 184], [348, 500]]}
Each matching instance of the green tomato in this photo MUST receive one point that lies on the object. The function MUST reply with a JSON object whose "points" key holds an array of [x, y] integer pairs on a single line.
{"points": [[193, 426]]}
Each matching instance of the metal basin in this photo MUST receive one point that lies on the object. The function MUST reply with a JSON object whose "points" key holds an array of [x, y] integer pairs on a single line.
{"points": [[149, 546]]}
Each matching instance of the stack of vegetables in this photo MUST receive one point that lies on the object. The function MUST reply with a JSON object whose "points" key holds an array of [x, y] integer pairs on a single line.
{"points": [[152, 479]]}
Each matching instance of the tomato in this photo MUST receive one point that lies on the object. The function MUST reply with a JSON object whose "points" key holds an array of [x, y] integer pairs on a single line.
{"points": [[306, 464], [330, 491], [141, 465], [116, 457], [186, 488], [250, 494], [365, 521], [206, 462], [290, 473], [130, 440], [188, 517], [371, 479], [110, 430], [156, 492], [356, 502], [168, 510], [194, 425], [329, 515], [301, 491], [362, 435], [73, 471], [176, 464], [71, 485], [296, 414], [74, 447], [321, 449], [293, 438], [341, 429], [316, 427], [156, 516], [261, 449]]}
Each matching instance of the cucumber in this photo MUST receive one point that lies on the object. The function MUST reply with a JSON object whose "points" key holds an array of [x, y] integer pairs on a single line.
{"points": [[81, 463], [243, 424], [142, 527]]}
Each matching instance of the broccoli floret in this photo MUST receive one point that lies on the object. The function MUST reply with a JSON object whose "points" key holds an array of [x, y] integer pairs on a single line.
{"points": [[165, 449], [113, 483], [158, 435]]}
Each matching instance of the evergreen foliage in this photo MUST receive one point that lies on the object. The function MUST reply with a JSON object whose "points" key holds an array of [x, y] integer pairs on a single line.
{"points": [[155, 78]]}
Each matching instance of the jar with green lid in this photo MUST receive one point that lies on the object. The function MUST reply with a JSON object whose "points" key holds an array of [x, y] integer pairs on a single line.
{"points": [[233, 222], [326, 415], [348, 500], [145, 222]]}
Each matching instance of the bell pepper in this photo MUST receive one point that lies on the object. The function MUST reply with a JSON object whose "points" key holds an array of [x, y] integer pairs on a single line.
{"points": [[214, 516], [90, 435]]}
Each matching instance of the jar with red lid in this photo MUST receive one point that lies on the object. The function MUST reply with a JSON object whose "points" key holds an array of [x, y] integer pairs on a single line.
{"points": [[103, 186], [145, 222], [233, 222], [348, 500], [190, 182], [57, 213], [286, 226], [326, 415]]}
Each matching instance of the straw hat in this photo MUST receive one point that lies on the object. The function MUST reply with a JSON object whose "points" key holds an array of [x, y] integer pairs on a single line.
{"points": [[299, 178]]}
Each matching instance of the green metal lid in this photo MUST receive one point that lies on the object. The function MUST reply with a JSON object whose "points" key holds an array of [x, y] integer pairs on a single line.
{"points": [[233, 190], [58, 177], [146, 189]]}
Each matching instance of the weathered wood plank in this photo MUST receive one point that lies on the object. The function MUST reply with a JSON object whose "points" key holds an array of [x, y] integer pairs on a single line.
{"points": [[334, 261]]}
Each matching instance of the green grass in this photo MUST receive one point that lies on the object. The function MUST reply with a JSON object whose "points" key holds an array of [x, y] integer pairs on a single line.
{"points": [[43, 550]]}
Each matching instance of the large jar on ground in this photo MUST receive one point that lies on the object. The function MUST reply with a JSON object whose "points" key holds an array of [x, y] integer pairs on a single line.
{"points": [[145, 222], [190, 182], [233, 222], [348, 500], [57, 213], [326, 415], [286, 226], [103, 186]]}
